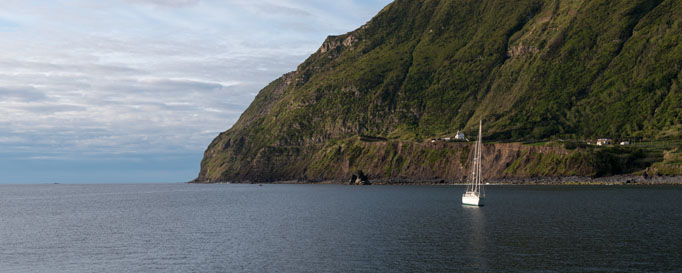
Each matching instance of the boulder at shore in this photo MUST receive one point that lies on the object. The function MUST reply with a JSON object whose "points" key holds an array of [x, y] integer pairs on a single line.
{"points": [[359, 178]]}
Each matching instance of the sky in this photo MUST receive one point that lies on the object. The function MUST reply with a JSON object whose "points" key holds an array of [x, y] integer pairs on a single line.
{"points": [[126, 91]]}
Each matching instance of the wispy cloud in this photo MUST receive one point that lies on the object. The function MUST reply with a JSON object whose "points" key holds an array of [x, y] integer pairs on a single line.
{"points": [[165, 3], [147, 78], [22, 93]]}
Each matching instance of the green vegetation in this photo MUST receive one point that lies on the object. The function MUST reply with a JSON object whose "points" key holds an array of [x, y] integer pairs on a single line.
{"points": [[532, 70], [670, 165]]}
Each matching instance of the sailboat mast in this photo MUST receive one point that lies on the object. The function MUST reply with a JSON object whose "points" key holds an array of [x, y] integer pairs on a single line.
{"points": [[475, 182], [474, 195], [478, 158], [476, 178]]}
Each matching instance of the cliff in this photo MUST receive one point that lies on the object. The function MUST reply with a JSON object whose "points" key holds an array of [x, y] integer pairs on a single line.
{"points": [[531, 69]]}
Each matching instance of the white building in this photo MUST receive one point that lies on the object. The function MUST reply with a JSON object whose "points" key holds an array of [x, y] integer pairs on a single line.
{"points": [[603, 141], [460, 136]]}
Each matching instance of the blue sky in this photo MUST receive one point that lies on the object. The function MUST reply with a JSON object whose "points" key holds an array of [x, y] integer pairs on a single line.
{"points": [[105, 91]]}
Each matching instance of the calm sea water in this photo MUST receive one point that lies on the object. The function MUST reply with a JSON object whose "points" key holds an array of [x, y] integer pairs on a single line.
{"points": [[333, 228]]}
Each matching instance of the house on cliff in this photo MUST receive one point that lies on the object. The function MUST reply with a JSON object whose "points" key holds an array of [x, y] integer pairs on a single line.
{"points": [[603, 142], [460, 136]]}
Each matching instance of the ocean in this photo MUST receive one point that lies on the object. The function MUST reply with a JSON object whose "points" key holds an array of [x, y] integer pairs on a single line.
{"points": [[337, 228]]}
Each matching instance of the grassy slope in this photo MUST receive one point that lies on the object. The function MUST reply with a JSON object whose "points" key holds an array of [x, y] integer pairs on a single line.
{"points": [[531, 69]]}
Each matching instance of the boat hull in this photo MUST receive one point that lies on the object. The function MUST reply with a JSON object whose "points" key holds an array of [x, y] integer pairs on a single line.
{"points": [[472, 200]]}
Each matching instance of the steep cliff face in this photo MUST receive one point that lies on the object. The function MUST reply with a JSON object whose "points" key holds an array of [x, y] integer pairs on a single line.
{"points": [[446, 160], [531, 69]]}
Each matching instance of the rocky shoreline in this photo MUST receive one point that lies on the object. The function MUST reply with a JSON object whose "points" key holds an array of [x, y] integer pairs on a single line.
{"points": [[567, 180]]}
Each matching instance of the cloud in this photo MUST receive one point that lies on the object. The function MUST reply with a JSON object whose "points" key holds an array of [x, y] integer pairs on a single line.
{"points": [[271, 8], [11, 139], [22, 93], [52, 109], [182, 85], [166, 3], [146, 79]]}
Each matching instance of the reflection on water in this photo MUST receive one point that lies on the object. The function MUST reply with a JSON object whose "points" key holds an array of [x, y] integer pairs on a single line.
{"points": [[475, 249]]}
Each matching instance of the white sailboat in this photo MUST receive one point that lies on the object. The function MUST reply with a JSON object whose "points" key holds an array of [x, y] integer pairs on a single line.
{"points": [[475, 194]]}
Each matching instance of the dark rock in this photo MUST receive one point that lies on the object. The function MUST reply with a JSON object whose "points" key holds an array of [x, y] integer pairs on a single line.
{"points": [[359, 178], [352, 179]]}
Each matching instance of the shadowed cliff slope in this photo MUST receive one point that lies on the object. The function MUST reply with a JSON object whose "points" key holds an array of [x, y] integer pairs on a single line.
{"points": [[531, 69]]}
